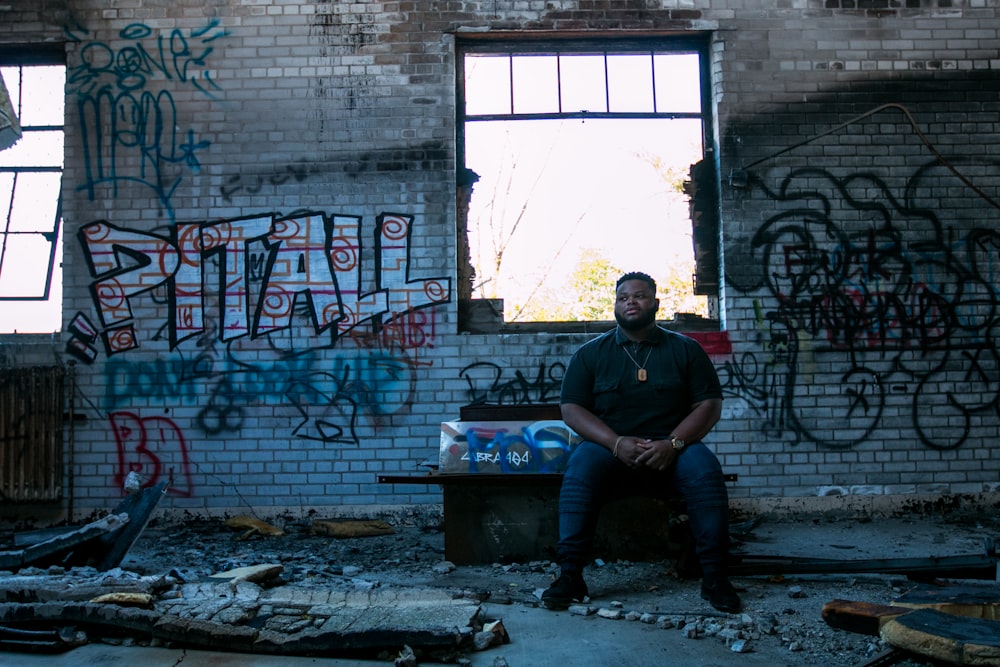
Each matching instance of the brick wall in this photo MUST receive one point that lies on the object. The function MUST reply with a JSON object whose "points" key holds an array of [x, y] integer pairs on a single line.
{"points": [[859, 183]]}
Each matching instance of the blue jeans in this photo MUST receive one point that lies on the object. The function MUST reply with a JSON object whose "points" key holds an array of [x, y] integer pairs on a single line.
{"points": [[594, 477]]}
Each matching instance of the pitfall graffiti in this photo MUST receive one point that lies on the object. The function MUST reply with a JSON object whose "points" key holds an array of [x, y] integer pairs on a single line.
{"points": [[313, 257], [220, 284]]}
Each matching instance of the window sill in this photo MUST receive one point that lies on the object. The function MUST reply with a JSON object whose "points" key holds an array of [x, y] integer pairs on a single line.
{"points": [[485, 316]]}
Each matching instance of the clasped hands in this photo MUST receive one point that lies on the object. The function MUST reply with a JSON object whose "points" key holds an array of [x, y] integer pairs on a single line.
{"points": [[645, 453]]}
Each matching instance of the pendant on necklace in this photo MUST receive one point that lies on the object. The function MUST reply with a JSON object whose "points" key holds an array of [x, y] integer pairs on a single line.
{"points": [[641, 375]]}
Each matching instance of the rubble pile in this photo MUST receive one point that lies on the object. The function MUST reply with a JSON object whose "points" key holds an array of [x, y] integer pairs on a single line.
{"points": [[385, 589], [781, 615]]}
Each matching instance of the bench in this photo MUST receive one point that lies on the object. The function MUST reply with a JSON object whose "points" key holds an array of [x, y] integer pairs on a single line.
{"points": [[513, 517]]}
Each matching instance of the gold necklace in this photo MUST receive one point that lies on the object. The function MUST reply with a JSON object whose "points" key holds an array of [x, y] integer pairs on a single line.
{"points": [[640, 374]]}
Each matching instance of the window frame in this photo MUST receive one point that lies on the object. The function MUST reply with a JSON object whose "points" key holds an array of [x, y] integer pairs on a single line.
{"points": [[472, 311], [33, 56]]}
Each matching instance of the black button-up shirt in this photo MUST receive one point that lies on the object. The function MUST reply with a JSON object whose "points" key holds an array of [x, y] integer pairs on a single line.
{"points": [[603, 379]]}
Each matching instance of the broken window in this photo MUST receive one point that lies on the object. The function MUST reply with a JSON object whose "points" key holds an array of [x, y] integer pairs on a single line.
{"points": [[31, 165], [576, 165]]}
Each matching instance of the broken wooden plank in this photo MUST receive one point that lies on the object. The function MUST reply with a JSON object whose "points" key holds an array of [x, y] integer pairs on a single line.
{"points": [[57, 550], [26, 538], [865, 618], [102, 543], [40, 641], [11, 561], [967, 600], [971, 566], [954, 639], [139, 507]]}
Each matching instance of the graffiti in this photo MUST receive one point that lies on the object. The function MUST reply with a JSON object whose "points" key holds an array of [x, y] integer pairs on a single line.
{"points": [[82, 336], [254, 184], [271, 275], [894, 316], [486, 384], [130, 130], [323, 396], [538, 447], [154, 448], [413, 330], [262, 266]]}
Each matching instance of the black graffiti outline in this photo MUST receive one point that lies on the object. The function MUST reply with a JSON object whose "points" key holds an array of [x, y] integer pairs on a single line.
{"points": [[934, 302], [518, 391]]}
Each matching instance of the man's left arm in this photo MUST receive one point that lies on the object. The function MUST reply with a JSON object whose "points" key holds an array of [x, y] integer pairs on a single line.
{"points": [[703, 416], [660, 454]]}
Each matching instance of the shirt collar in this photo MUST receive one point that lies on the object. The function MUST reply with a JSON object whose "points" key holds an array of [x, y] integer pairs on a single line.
{"points": [[658, 335]]}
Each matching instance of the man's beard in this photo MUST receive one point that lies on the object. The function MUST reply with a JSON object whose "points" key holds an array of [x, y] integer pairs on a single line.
{"points": [[638, 324]]}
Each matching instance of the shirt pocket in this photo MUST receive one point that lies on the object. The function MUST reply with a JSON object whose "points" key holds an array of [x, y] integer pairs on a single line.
{"points": [[605, 387], [607, 396]]}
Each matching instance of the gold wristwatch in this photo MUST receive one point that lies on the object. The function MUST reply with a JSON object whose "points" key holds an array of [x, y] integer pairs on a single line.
{"points": [[677, 444]]}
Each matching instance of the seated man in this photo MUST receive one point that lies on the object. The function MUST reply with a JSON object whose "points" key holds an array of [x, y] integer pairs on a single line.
{"points": [[642, 398]]}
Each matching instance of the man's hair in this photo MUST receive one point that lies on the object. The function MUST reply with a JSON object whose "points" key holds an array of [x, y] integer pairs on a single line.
{"points": [[637, 275]]}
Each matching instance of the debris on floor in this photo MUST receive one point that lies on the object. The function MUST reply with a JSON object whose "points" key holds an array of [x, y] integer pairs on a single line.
{"points": [[351, 528], [102, 543], [232, 613], [953, 624], [253, 527], [969, 566], [294, 589]]}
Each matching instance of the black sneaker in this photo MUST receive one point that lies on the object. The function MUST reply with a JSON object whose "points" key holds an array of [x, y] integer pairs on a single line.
{"points": [[721, 595], [569, 587]]}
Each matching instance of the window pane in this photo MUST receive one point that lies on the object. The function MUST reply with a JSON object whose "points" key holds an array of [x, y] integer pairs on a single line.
{"points": [[678, 83], [25, 265], [555, 192], [36, 316], [630, 80], [36, 197], [536, 84], [487, 84], [562, 203], [582, 80], [42, 96], [6, 192], [30, 246], [35, 149]]}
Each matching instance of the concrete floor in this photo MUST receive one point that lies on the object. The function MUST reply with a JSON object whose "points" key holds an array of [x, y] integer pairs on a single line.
{"points": [[540, 637]]}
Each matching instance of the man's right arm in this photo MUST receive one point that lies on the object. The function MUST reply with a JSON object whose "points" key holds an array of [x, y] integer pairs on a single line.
{"points": [[576, 395], [588, 425]]}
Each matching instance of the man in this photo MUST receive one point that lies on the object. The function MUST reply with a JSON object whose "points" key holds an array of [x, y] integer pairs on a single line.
{"points": [[641, 398]]}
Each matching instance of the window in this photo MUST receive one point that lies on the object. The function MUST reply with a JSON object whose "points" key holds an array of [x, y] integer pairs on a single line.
{"points": [[30, 178], [577, 160]]}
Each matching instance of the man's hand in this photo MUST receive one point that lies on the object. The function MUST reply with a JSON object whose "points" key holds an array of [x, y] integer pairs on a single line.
{"points": [[655, 454], [640, 452]]}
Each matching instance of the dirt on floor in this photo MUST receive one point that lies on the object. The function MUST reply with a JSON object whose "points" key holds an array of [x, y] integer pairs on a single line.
{"points": [[781, 612]]}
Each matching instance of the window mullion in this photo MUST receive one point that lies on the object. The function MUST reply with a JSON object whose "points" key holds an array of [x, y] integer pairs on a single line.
{"points": [[510, 73], [559, 81], [652, 79], [607, 88]]}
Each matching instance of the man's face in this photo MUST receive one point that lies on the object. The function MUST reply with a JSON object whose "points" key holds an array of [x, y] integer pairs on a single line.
{"points": [[635, 305]]}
